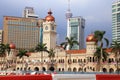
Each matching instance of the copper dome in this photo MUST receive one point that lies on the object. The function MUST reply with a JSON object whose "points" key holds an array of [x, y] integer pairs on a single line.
{"points": [[90, 38], [12, 46], [49, 17]]}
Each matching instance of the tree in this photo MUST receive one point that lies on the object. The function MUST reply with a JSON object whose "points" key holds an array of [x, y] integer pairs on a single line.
{"points": [[21, 54], [51, 55], [100, 57], [116, 50], [2, 53], [40, 48], [7, 47], [99, 36], [69, 42]]}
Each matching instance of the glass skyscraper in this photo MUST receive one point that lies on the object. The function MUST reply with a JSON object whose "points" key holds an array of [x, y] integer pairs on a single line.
{"points": [[75, 29], [116, 21]]}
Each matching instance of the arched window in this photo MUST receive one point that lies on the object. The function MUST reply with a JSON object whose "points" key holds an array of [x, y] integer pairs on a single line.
{"points": [[93, 69], [109, 60], [59, 69], [74, 69], [78, 60], [93, 59], [80, 69], [84, 60], [18, 68], [69, 69], [90, 59], [62, 69], [111, 70]]}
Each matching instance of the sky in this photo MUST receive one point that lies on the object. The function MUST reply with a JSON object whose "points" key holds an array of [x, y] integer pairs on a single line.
{"points": [[97, 13]]}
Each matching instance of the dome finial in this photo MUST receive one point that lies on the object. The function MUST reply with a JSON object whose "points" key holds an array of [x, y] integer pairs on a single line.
{"points": [[49, 17], [50, 12]]}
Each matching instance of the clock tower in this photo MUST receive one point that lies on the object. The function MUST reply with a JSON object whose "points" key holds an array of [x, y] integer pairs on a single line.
{"points": [[49, 31]]}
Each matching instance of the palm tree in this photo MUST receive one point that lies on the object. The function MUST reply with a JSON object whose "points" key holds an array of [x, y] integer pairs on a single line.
{"points": [[99, 36], [116, 50], [2, 53], [21, 54], [40, 48], [7, 47], [100, 57], [70, 42], [51, 55]]}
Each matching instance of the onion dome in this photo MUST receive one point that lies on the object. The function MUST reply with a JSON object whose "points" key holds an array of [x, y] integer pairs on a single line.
{"points": [[12, 46], [49, 17], [90, 38]]}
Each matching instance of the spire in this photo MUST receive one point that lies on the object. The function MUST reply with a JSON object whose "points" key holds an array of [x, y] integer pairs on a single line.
{"points": [[68, 5], [49, 12], [68, 13]]}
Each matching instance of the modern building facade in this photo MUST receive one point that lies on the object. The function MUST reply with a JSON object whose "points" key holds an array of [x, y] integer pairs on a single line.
{"points": [[23, 32], [116, 21], [29, 13], [75, 29]]}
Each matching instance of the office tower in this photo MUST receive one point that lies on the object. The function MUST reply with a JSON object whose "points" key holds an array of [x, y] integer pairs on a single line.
{"points": [[49, 31], [75, 28], [23, 32], [116, 21], [1, 36], [29, 13]]}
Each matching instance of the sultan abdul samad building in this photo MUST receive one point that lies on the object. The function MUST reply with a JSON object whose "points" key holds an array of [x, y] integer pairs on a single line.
{"points": [[70, 60]]}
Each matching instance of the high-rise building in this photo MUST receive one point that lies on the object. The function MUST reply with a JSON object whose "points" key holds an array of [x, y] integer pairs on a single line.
{"points": [[23, 32], [116, 21], [49, 31], [75, 28], [1, 36], [29, 13]]}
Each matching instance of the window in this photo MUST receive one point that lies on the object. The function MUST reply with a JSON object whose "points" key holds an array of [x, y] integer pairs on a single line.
{"points": [[46, 28], [52, 27]]}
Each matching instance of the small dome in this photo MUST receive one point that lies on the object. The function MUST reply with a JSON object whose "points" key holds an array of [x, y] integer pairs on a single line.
{"points": [[49, 17], [90, 38], [12, 46]]}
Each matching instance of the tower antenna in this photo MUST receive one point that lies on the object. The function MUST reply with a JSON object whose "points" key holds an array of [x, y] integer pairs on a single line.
{"points": [[68, 13], [68, 5]]}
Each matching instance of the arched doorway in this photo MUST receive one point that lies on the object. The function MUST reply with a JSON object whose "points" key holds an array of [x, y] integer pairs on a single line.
{"points": [[69, 69], [111, 70], [74, 69], [80, 69], [104, 70], [43, 69], [36, 69], [18, 68], [59, 69], [52, 68]]}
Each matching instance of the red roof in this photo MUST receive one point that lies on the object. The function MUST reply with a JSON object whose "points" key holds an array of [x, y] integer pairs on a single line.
{"points": [[82, 51], [108, 49]]}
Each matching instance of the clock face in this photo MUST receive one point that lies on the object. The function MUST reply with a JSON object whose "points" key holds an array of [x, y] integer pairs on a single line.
{"points": [[46, 28]]}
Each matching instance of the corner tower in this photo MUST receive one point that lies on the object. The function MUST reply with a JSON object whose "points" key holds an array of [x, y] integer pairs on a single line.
{"points": [[49, 31]]}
